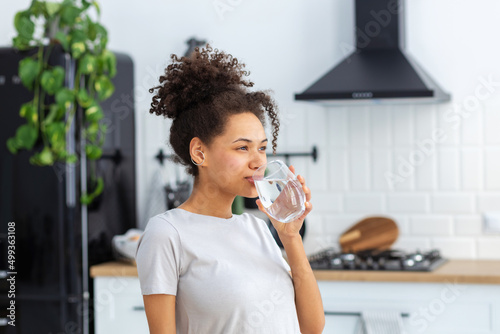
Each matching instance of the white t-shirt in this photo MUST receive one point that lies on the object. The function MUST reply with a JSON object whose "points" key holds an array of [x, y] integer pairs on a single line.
{"points": [[228, 275]]}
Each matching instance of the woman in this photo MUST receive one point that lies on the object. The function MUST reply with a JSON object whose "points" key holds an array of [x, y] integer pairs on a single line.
{"points": [[201, 268]]}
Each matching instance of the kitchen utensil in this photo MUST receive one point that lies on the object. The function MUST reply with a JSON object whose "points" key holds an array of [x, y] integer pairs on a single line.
{"points": [[279, 191], [370, 233]]}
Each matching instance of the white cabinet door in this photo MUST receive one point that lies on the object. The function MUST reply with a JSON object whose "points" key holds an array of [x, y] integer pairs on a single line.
{"points": [[118, 306], [432, 308], [340, 324]]}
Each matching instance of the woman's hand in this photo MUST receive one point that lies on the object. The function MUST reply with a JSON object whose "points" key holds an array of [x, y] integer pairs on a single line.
{"points": [[291, 229]]}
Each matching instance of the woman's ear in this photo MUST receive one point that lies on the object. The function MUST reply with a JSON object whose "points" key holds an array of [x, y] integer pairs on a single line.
{"points": [[197, 151]]}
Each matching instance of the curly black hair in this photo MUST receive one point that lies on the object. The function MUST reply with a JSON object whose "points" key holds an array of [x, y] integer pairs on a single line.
{"points": [[200, 92]]}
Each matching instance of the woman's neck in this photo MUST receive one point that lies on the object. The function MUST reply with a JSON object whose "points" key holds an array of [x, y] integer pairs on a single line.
{"points": [[206, 200]]}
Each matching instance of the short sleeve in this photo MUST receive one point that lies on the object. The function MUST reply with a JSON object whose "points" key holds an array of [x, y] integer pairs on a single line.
{"points": [[158, 258]]}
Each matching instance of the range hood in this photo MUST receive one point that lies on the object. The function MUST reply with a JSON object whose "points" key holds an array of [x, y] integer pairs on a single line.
{"points": [[379, 70]]}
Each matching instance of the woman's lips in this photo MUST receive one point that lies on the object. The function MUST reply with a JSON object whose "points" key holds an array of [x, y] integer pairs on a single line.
{"points": [[249, 179]]}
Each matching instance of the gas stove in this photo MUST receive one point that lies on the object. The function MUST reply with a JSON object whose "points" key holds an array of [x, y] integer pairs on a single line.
{"points": [[387, 260]]}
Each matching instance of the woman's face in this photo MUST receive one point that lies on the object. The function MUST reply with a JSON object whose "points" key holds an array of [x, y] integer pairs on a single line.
{"points": [[233, 156]]}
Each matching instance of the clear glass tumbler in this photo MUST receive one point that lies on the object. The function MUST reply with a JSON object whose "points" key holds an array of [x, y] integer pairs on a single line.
{"points": [[279, 191]]}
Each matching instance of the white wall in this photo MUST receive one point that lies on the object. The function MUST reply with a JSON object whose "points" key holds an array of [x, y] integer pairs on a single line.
{"points": [[287, 45]]}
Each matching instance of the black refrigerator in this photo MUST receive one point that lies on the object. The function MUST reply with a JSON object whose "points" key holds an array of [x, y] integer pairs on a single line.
{"points": [[56, 238]]}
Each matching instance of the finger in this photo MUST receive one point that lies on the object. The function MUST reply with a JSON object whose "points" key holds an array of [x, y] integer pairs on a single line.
{"points": [[308, 206], [292, 169], [307, 191], [261, 207]]}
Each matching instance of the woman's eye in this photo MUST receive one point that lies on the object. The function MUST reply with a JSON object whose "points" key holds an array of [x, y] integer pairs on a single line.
{"points": [[242, 148], [263, 148]]}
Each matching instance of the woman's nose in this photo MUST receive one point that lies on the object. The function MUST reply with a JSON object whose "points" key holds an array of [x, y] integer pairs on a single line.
{"points": [[258, 160]]}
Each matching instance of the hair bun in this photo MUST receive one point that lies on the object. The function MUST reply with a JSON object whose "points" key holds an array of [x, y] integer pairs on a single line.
{"points": [[192, 80]]}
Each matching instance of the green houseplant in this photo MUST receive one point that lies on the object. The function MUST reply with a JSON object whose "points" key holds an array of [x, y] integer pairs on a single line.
{"points": [[42, 28]]}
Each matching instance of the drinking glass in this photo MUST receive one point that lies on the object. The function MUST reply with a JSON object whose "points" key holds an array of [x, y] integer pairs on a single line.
{"points": [[279, 191]]}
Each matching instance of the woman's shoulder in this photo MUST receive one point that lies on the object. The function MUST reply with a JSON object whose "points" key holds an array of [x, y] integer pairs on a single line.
{"points": [[162, 223]]}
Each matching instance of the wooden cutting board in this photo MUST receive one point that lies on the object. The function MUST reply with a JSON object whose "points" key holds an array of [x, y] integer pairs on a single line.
{"points": [[370, 233]]}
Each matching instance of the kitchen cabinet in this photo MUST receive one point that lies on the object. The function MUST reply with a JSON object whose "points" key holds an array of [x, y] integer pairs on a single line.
{"points": [[118, 306], [432, 308], [461, 297]]}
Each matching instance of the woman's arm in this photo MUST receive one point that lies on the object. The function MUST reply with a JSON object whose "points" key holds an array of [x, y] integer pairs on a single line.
{"points": [[160, 312], [307, 296]]}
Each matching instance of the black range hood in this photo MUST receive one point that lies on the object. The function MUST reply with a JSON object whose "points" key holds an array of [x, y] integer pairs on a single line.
{"points": [[378, 71]]}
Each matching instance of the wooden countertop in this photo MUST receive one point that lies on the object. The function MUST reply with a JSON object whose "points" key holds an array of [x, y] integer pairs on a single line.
{"points": [[459, 271]]}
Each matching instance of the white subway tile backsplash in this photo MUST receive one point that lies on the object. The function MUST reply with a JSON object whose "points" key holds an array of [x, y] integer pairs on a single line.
{"points": [[407, 202], [431, 225], [317, 125], [337, 126], [402, 175], [468, 225], [412, 244], [338, 169], [364, 203], [489, 247], [425, 173], [294, 118], [425, 122], [455, 247], [488, 202], [402, 125], [319, 171], [359, 169], [381, 164], [359, 129], [471, 169], [381, 135], [492, 124], [472, 130], [324, 202], [427, 167], [314, 223], [452, 203], [402, 221], [448, 169], [492, 169], [449, 122], [335, 225]]}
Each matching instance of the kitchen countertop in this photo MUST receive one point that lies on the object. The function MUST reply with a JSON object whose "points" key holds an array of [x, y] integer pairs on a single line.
{"points": [[453, 271]]}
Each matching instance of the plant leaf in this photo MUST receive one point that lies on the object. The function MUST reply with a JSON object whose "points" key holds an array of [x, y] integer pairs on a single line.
{"points": [[63, 39], [11, 145], [96, 5], [52, 80], [93, 152], [109, 62], [94, 113], [104, 87], [28, 71], [84, 99], [64, 98], [52, 8], [88, 198], [77, 49], [26, 136], [21, 43], [44, 158], [57, 135], [54, 114], [87, 64], [69, 13], [28, 111], [23, 24]]}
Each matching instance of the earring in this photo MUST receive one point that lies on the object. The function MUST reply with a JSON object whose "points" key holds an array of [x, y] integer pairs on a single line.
{"points": [[200, 162]]}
